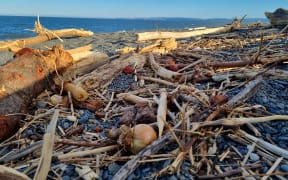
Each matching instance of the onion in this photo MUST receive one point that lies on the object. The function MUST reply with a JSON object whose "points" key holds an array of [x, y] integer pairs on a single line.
{"points": [[133, 139], [143, 135]]}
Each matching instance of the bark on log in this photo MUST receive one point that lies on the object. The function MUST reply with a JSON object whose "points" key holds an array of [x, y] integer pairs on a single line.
{"points": [[28, 75], [31, 72], [179, 35], [43, 35]]}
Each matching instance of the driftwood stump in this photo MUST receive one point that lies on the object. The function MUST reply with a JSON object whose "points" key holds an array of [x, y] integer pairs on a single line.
{"points": [[278, 18]]}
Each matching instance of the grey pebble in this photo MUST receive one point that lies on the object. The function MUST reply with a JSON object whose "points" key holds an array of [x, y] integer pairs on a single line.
{"points": [[66, 178], [113, 168], [254, 157], [131, 177], [66, 125], [284, 167], [172, 178]]}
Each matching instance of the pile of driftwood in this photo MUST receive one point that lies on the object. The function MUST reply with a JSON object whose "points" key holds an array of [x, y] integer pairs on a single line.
{"points": [[178, 99]]}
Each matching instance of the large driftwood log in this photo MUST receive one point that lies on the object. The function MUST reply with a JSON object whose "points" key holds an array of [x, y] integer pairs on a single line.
{"points": [[43, 35], [28, 75], [179, 35], [31, 72], [278, 18]]}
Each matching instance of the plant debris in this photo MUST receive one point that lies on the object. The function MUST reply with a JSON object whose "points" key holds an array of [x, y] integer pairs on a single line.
{"points": [[199, 98]]}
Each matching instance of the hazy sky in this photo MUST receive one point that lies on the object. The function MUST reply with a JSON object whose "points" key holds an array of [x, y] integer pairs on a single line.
{"points": [[142, 8]]}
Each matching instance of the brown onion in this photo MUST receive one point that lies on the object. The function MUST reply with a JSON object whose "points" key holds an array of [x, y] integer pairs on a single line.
{"points": [[143, 135]]}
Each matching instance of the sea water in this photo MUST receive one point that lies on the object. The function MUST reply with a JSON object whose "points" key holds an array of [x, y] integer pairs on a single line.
{"points": [[15, 27]]}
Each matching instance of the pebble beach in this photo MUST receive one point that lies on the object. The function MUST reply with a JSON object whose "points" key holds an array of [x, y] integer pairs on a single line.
{"points": [[272, 95], [107, 43]]}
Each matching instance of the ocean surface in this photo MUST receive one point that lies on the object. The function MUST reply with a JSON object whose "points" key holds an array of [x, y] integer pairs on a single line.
{"points": [[15, 27]]}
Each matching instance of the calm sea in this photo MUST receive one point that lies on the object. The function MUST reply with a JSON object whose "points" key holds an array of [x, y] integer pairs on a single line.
{"points": [[14, 27]]}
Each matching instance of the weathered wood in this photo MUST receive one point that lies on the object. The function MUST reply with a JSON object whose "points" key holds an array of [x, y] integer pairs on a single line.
{"points": [[87, 61], [32, 71], [11, 174], [47, 149], [28, 75], [278, 18], [103, 76], [180, 35], [43, 35]]}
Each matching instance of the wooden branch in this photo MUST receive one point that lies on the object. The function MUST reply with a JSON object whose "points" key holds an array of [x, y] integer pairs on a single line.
{"points": [[161, 46], [200, 96], [87, 152], [43, 35], [8, 173], [47, 149], [162, 111], [237, 121], [230, 173], [133, 98], [22, 152], [246, 93], [87, 61], [268, 146], [250, 73], [103, 76], [163, 72], [180, 35], [272, 168]]}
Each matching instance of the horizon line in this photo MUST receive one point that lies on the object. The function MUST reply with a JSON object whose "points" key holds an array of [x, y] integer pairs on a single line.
{"points": [[152, 17]]}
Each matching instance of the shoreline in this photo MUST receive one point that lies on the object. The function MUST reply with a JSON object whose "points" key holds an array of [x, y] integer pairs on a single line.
{"points": [[107, 43]]}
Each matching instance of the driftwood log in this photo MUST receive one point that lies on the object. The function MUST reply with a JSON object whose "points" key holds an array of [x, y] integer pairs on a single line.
{"points": [[31, 72], [28, 75], [43, 35], [145, 36], [278, 18]]}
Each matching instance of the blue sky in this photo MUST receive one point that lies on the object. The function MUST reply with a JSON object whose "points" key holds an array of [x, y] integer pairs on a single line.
{"points": [[142, 8]]}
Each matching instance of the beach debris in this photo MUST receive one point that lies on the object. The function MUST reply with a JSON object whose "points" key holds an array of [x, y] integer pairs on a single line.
{"points": [[10, 173], [77, 92], [278, 18], [136, 138], [111, 70], [43, 35], [47, 148], [163, 72], [128, 70], [32, 71], [145, 36], [28, 75], [161, 46], [216, 107], [161, 112], [8, 126]]}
